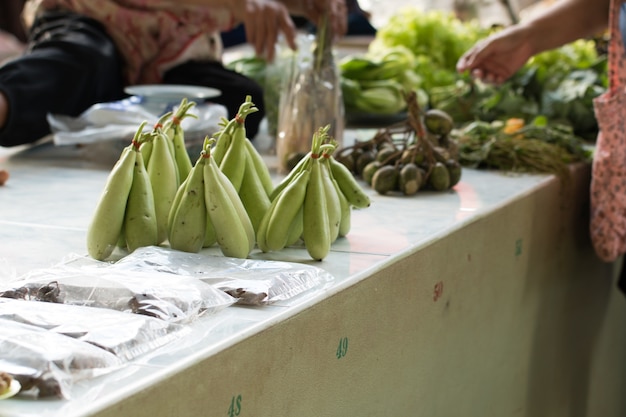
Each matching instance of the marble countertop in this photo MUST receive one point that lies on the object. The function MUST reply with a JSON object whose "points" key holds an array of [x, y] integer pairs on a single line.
{"points": [[48, 201]]}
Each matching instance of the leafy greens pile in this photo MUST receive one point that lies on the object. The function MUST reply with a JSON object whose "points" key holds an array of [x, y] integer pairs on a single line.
{"points": [[559, 84]]}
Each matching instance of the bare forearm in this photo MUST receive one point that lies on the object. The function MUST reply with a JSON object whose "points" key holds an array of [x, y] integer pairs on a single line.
{"points": [[564, 22]]}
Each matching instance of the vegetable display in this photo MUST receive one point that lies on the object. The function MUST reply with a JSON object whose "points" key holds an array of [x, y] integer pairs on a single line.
{"points": [[226, 199], [558, 84]]}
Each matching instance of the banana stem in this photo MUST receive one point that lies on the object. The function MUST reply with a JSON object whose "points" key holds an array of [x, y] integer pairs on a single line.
{"points": [[139, 137], [183, 111]]}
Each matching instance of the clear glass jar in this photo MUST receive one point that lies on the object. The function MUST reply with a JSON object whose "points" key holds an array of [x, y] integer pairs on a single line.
{"points": [[310, 98]]}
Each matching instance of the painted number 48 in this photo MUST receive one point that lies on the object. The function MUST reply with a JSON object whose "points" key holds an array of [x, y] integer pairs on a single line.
{"points": [[235, 406]]}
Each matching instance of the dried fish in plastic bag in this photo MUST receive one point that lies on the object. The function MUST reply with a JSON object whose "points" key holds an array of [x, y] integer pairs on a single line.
{"points": [[174, 299], [127, 336], [252, 282], [46, 363]]}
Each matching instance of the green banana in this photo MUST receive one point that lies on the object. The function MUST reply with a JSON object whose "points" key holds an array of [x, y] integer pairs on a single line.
{"points": [[181, 156], [241, 211], [316, 227], [252, 194], [333, 204], [261, 168], [261, 233], [121, 241], [288, 203], [222, 143], [233, 165], [295, 230], [301, 165], [175, 203], [188, 227], [210, 237], [162, 127], [233, 228], [140, 226], [164, 179], [148, 137], [104, 230], [348, 184], [346, 211], [176, 134], [146, 149]]}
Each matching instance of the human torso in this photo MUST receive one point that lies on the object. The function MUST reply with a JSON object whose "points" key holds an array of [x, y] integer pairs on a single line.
{"points": [[151, 35]]}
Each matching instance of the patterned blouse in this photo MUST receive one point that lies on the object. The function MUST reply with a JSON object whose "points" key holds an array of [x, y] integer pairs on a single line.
{"points": [[152, 35]]}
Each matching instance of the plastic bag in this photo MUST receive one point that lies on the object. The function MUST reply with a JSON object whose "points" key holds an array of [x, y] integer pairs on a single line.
{"points": [[46, 363], [119, 120], [252, 282], [171, 298], [127, 336]]}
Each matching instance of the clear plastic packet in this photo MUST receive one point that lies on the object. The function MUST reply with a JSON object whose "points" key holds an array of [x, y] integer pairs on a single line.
{"points": [[104, 122], [127, 336], [46, 363], [252, 282], [176, 299]]}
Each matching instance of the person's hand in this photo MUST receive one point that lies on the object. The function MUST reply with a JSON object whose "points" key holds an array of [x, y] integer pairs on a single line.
{"points": [[313, 10], [497, 57], [264, 21], [337, 14]]}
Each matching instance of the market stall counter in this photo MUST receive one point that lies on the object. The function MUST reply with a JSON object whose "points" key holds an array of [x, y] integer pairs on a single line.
{"points": [[486, 299]]}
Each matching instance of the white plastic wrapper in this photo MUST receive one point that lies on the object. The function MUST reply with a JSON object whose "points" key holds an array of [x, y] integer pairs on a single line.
{"points": [[119, 120], [127, 336], [176, 299], [46, 363], [252, 282]]}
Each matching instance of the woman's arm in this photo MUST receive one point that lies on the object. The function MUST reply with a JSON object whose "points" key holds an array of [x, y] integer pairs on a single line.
{"points": [[566, 21], [497, 57]]}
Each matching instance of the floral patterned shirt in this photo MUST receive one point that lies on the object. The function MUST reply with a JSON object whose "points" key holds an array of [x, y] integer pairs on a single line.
{"points": [[151, 35]]}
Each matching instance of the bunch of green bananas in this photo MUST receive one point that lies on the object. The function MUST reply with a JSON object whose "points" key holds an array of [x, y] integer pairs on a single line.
{"points": [[207, 210], [167, 161], [313, 202], [140, 188], [125, 215], [243, 165]]}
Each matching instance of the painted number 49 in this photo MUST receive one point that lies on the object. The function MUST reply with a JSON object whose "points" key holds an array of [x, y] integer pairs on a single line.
{"points": [[342, 348]]}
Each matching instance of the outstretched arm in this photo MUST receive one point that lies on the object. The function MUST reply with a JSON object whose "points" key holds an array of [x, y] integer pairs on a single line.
{"points": [[497, 57]]}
